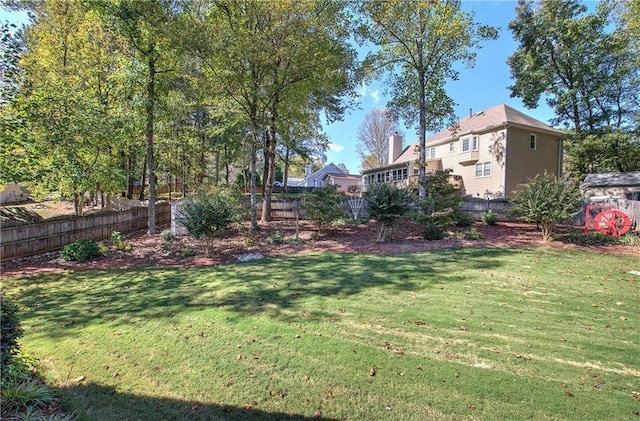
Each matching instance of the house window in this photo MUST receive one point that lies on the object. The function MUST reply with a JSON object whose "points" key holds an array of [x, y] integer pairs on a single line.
{"points": [[474, 143], [452, 147], [483, 169], [431, 153], [465, 145], [532, 142]]}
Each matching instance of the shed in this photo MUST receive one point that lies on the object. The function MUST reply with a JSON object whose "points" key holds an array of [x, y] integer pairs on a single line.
{"points": [[623, 185]]}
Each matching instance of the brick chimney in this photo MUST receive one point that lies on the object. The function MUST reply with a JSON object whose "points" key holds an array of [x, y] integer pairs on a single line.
{"points": [[395, 147]]}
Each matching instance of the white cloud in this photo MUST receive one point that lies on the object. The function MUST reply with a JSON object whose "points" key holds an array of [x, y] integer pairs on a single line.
{"points": [[375, 95], [362, 91], [335, 147]]}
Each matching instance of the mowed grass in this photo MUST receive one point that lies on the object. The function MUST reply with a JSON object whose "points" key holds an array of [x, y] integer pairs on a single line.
{"points": [[487, 333]]}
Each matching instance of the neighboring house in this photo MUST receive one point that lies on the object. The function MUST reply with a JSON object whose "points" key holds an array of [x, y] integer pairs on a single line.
{"points": [[329, 174], [624, 185], [345, 182], [13, 193], [489, 154]]}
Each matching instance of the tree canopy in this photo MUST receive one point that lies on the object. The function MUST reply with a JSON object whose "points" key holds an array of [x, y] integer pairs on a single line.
{"points": [[585, 66]]}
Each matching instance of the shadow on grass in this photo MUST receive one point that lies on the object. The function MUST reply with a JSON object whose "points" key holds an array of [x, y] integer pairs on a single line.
{"points": [[99, 402], [73, 300]]}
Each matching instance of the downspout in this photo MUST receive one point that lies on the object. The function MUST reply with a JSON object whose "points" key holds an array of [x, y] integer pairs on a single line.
{"points": [[560, 156], [505, 160]]}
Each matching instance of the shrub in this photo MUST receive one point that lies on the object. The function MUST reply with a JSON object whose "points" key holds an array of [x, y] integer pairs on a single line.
{"points": [[323, 205], [167, 236], [275, 238], [27, 393], [441, 205], [490, 218], [116, 239], [81, 250], [546, 201], [433, 232], [206, 214], [187, 253], [473, 234], [10, 330], [462, 218], [387, 204]]}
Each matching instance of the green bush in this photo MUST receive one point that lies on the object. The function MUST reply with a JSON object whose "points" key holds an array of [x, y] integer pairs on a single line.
{"points": [[187, 253], [81, 250], [441, 205], [167, 236], [462, 218], [387, 204], [490, 218], [324, 205], [206, 214], [27, 393], [276, 238], [547, 201], [473, 234], [10, 330], [433, 232]]}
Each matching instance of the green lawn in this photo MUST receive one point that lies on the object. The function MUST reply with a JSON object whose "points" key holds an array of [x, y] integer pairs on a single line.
{"points": [[458, 334]]}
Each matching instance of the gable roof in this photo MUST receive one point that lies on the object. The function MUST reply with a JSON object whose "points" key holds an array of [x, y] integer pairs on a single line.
{"points": [[612, 179], [490, 119]]}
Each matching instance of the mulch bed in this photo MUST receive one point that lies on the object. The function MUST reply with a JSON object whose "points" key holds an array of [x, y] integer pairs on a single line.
{"points": [[241, 241]]}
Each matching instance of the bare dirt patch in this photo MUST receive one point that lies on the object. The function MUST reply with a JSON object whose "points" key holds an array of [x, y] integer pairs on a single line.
{"points": [[285, 237]]}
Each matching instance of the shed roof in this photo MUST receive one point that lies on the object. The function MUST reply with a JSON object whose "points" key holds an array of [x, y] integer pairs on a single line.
{"points": [[612, 179]]}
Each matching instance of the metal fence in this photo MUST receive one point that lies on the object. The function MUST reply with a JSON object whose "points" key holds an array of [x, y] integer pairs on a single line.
{"points": [[53, 234]]}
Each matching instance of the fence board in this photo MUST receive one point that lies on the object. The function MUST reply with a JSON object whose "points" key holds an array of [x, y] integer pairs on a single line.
{"points": [[51, 235]]}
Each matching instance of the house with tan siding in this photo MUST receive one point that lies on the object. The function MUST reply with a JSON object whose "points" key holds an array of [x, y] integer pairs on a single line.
{"points": [[489, 154]]}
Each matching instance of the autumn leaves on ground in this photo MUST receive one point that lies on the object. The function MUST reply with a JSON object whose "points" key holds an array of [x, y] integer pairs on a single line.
{"points": [[458, 333]]}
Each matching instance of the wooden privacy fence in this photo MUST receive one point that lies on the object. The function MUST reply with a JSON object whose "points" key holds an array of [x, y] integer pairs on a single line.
{"points": [[50, 235], [476, 208]]}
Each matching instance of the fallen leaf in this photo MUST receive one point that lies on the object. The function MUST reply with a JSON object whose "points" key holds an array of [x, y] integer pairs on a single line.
{"points": [[306, 377], [317, 414], [227, 383], [329, 393], [78, 379], [398, 351], [419, 322], [372, 371], [471, 407], [568, 393], [419, 367]]}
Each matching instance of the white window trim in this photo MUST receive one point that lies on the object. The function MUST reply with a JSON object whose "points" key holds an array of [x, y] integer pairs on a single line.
{"points": [[475, 143], [534, 137], [452, 147], [462, 148], [483, 169]]}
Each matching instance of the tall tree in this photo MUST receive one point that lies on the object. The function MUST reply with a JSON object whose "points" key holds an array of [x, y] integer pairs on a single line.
{"points": [[269, 57], [71, 128], [373, 137], [420, 41], [586, 68], [148, 27]]}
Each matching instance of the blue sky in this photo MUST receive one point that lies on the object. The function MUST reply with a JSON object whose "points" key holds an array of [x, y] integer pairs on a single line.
{"points": [[478, 88]]}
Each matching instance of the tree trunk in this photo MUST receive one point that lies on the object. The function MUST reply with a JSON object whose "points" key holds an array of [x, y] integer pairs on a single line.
{"points": [[422, 137], [286, 171], [144, 179], [150, 108], [270, 167]]}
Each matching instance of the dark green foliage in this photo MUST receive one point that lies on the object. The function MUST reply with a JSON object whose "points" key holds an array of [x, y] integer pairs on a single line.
{"points": [[441, 204], [10, 330], [387, 204], [490, 218], [473, 234], [462, 218], [206, 214], [81, 250], [28, 393], [187, 253], [324, 205], [546, 201], [433, 232], [596, 239]]}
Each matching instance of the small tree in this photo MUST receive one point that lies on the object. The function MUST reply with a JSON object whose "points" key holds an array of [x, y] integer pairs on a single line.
{"points": [[10, 330], [441, 205], [206, 214], [547, 201], [387, 204], [324, 205]]}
